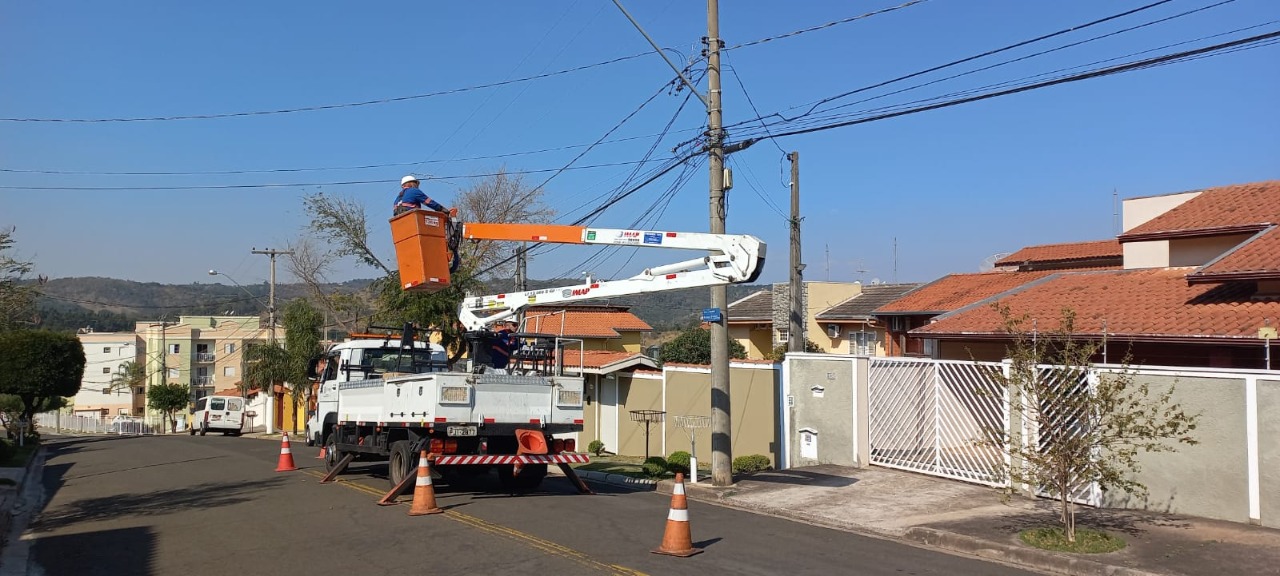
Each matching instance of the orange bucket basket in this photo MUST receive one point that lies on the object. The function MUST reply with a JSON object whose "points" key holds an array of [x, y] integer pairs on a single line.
{"points": [[422, 250]]}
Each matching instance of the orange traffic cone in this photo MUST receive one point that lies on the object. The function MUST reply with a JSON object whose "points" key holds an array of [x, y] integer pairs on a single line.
{"points": [[424, 496], [323, 454], [286, 456], [677, 541]]}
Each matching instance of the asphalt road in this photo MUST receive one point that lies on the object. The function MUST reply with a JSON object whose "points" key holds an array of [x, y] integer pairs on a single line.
{"points": [[213, 505]]}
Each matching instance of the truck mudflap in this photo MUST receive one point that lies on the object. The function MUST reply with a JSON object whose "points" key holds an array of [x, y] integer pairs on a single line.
{"points": [[565, 458]]}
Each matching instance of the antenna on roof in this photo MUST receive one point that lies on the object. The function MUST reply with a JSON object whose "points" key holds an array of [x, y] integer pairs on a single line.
{"points": [[989, 263]]}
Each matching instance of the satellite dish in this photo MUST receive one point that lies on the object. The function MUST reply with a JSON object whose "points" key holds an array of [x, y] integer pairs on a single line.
{"points": [[875, 281], [989, 263]]}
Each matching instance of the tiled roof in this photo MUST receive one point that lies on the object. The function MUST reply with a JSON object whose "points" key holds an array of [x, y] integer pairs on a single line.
{"points": [[583, 321], [757, 307], [1145, 304], [1257, 258], [860, 306], [600, 359], [1096, 253], [951, 292], [1224, 209]]}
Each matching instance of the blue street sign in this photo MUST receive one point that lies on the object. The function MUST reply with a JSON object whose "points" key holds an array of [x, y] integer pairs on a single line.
{"points": [[710, 314]]}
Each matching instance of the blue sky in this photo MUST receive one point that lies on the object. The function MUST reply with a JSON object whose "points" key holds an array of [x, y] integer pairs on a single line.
{"points": [[949, 187]]}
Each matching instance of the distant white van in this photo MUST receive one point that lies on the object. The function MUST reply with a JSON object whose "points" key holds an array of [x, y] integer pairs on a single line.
{"points": [[223, 414]]}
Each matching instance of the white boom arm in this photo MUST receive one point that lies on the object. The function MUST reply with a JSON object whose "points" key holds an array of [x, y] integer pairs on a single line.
{"points": [[734, 259]]}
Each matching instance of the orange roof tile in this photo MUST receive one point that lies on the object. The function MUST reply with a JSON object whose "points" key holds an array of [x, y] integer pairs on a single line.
{"points": [[597, 359], [1068, 252], [951, 292], [1255, 259], [1146, 304], [584, 321], [1216, 210]]}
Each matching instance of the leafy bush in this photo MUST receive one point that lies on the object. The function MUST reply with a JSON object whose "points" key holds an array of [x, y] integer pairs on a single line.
{"points": [[654, 466], [595, 447], [779, 352], [693, 346], [679, 462], [750, 464]]}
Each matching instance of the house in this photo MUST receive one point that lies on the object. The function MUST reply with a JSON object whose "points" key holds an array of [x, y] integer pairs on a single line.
{"points": [[749, 323], [850, 326], [104, 353], [598, 326], [1199, 286]]}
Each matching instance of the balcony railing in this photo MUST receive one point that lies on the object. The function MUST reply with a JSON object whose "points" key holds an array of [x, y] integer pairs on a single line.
{"points": [[201, 380], [204, 357]]}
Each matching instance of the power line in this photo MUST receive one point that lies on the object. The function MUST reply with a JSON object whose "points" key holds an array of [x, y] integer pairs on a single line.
{"points": [[827, 25], [752, 102], [1226, 47], [328, 106], [339, 183]]}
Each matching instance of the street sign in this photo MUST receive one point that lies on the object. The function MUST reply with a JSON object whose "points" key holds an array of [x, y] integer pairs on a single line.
{"points": [[710, 314]]}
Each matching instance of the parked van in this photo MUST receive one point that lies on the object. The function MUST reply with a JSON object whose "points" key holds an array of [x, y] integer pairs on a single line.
{"points": [[223, 414]]}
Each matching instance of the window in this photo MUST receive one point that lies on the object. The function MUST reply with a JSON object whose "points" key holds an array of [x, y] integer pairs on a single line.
{"points": [[175, 348], [234, 404], [228, 370], [202, 371], [861, 343], [106, 349], [780, 336], [106, 369], [173, 372], [218, 404], [201, 404], [140, 391], [202, 348], [229, 347], [106, 391]]}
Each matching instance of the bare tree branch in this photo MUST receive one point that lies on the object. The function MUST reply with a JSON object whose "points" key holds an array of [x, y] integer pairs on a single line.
{"points": [[343, 224]]}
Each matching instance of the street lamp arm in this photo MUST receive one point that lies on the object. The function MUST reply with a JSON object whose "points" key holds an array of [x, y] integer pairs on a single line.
{"points": [[246, 290]]}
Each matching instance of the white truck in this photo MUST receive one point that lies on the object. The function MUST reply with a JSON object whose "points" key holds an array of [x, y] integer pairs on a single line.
{"points": [[388, 397]]}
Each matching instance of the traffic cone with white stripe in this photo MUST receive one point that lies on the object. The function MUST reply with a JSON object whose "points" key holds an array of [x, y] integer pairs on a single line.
{"points": [[323, 453], [286, 456], [424, 495], [677, 541]]}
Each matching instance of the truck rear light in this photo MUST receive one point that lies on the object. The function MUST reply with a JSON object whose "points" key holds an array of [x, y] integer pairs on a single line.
{"points": [[577, 421], [450, 446], [535, 421], [437, 446], [571, 445], [484, 446], [441, 420], [489, 420], [557, 446]]}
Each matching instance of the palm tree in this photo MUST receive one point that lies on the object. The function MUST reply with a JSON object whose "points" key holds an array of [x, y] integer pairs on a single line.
{"points": [[129, 376]]}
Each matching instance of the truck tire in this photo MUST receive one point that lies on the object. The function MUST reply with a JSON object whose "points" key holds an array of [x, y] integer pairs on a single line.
{"points": [[528, 480], [331, 455], [204, 429], [191, 430], [401, 462]]}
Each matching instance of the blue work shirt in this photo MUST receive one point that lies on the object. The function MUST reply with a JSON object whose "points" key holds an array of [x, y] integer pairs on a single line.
{"points": [[417, 199]]}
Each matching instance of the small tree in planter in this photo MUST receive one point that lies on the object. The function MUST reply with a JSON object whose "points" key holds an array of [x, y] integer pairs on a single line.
{"points": [[1082, 426], [168, 398]]}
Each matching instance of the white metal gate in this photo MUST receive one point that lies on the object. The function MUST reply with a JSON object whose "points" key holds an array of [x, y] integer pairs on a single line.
{"points": [[930, 416]]}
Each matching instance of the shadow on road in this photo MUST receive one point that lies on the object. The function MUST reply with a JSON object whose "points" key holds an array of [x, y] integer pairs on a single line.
{"points": [[105, 552], [801, 478], [185, 499]]}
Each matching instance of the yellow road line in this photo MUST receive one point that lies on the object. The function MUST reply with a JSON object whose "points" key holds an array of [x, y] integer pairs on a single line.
{"points": [[525, 538]]}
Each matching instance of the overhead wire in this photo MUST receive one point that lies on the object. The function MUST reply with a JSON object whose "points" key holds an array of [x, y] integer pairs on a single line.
{"points": [[827, 25]]}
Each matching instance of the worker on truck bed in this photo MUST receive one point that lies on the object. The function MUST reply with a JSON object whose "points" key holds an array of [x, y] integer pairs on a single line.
{"points": [[411, 198], [502, 345]]}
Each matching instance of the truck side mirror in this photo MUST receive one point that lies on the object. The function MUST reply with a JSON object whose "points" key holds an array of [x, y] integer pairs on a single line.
{"points": [[313, 368]]}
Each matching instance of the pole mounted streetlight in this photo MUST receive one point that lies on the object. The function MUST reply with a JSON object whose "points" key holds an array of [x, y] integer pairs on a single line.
{"points": [[270, 306]]}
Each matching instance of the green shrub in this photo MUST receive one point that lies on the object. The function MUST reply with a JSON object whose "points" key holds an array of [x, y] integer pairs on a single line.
{"points": [[595, 447], [679, 462], [750, 464], [654, 466]]}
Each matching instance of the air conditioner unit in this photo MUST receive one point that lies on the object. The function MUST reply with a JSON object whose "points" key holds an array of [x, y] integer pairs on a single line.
{"points": [[833, 331]]}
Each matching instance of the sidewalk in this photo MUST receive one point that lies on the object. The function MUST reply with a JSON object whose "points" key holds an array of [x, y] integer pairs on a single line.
{"points": [[977, 520]]}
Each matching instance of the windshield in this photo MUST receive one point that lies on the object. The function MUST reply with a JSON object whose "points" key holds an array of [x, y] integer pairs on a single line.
{"points": [[381, 360]]}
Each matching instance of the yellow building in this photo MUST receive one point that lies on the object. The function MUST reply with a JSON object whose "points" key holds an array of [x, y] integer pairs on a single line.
{"points": [[751, 323], [760, 321], [850, 328]]}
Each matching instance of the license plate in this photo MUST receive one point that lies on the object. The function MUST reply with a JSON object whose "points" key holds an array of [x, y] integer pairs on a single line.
{"points": [[462, 431]]}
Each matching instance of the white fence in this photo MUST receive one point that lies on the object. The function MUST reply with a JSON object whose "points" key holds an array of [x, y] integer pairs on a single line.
{"points": [[120, 425]]}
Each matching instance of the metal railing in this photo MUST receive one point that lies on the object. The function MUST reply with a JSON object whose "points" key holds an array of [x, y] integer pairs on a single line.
{"points": [[205, 357], [201, 380], [119, 425]]}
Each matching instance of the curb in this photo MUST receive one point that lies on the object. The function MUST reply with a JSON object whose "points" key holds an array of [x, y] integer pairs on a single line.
{"points": [[1039, 559], [638, 484], [6, 515]]}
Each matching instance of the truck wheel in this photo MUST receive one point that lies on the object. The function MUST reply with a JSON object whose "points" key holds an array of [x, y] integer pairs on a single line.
{"points": [[204, 429], [401, 463], [191, 430], [331, 455], [530, 478]]}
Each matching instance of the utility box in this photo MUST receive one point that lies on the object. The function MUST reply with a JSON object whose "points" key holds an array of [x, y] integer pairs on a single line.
{"points": [[422, 250]]}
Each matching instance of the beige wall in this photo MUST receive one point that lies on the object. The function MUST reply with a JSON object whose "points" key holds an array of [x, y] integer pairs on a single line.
{"points": [[1138, 211], [840, 345], [821, 296], [756, 338], [753, 394], [1151, 254], [638, 394], [1199, 251]]}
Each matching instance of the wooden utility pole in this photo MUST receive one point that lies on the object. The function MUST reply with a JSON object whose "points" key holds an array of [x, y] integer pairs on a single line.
{"points": [[795, 333], [721, 429], [271, 300]]}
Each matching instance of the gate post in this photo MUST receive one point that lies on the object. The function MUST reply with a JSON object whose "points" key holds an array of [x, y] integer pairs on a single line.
{"points": [[861, 411]]}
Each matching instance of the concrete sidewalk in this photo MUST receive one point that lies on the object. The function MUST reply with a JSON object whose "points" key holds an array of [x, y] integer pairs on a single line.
{"points": [[978, 521]]}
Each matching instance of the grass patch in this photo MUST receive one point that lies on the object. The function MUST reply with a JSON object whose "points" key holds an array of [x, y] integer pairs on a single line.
{"points": [[19, 457], [1087, 541]]}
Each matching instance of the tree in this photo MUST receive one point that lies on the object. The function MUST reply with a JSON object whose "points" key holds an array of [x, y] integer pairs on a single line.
{"points": [[1082, 425], [693, 346], [302, 323], [502, 197], [265, 365], [128, 376], [779, 352], [39, 365], [168, 398], [17, 301]]}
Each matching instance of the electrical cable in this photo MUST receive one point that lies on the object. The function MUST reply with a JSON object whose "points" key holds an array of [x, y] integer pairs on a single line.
{"points": [[827, 25]]}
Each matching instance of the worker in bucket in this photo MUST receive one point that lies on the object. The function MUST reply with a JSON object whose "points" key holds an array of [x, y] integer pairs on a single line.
{"points": [[412, 198], [503, 344]]}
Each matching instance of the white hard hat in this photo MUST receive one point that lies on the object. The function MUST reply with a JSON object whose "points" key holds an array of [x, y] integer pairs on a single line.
{"points": [[408, 179]]}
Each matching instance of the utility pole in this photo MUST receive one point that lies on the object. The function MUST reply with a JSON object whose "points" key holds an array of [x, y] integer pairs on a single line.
{"points": [[721, 429], [271, 300], [795, 333], [522, 269]]}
